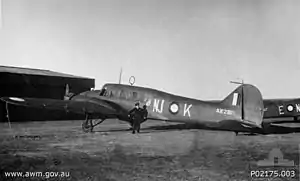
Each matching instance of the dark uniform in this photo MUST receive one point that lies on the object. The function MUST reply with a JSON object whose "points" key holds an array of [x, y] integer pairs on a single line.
{"points": [[144, 113], [137, 117]]}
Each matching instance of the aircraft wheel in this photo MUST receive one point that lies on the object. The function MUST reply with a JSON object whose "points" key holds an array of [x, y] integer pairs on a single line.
{"points": [[87, 126]]}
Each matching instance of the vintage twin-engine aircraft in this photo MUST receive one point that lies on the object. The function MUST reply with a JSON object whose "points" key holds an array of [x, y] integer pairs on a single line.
{"points": [[240, 111], [279, 108]]}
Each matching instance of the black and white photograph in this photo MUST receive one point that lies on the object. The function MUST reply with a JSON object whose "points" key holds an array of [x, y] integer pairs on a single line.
{"points": [[149, 90]]}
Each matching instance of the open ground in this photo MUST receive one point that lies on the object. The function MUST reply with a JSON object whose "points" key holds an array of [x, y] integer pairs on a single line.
{"points": [[162, 151]]}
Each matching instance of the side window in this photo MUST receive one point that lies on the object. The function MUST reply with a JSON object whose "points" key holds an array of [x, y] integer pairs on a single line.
{"points": [[134, 95], [106, 93], [122, 94], [128, 95]]}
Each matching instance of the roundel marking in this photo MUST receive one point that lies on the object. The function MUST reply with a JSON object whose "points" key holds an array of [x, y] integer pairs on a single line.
{"points": [[174, 108], [290, 108]]}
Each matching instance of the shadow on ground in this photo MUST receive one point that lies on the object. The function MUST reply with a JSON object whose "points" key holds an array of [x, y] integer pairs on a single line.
{"points": [[271, 129]]}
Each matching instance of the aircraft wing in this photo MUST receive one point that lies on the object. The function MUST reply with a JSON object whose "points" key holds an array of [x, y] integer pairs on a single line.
{"points": [[88, 105]]}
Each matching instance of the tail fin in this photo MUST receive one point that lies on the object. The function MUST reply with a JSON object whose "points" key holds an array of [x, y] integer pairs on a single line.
{"points": [[248, 99]]}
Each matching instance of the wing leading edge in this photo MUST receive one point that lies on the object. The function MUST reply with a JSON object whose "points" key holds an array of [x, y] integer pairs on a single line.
{"points": [[87, 105]]}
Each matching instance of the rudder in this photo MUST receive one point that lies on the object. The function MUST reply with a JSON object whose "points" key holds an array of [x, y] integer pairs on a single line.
{"points": [[249, 100]]}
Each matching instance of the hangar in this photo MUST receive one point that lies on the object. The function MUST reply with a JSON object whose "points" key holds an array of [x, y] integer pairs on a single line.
{"points": [[28, 82]]}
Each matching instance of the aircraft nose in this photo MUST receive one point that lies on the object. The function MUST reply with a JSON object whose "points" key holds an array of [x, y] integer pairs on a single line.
{"points": [[12, 99], [4, 99]]}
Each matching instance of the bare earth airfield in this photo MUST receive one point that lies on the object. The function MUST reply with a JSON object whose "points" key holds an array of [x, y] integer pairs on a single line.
{"points": [[162, 151]]}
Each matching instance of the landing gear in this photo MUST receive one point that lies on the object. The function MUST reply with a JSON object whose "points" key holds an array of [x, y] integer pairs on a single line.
{"points": [[236, 133], [266, 128], [88, 126]]}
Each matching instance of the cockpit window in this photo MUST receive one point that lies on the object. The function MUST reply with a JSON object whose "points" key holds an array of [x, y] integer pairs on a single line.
{"points": [[103, 92]]}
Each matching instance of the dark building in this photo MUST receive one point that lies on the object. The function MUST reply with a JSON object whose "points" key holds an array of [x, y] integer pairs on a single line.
{"points": [[26, 82]]}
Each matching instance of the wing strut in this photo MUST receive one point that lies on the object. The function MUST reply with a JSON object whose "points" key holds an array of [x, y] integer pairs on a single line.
{"points": [[7, 115]]}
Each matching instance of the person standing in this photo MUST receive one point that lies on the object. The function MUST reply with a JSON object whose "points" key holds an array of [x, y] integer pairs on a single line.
{"points": [[144, 113], [136, 116]]}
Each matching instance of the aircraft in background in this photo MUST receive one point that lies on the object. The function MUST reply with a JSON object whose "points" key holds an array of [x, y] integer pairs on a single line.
{"points": [[279, 108], [240, 111]]}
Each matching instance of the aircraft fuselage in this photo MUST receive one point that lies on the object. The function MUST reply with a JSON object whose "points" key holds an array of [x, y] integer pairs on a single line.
{"points": [[281, 108], [241, 110], [167, 107]]}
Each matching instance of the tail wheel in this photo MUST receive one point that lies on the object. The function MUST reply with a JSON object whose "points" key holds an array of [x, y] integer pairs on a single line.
{"points": [[265, 128]]}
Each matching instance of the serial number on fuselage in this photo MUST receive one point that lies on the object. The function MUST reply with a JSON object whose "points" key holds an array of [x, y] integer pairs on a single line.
{"points": [[224, 111]]}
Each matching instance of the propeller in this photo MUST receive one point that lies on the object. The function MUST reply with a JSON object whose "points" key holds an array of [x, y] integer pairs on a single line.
{"points": [[68, 94]]}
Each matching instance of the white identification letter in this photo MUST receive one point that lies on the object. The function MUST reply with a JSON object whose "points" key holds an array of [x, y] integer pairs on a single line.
{"points": [[187, 110], [298, 107], [280, 109], [156, 107]]}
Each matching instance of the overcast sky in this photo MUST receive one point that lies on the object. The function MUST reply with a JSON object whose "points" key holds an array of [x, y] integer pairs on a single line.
{"points": [[189, 47]]}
